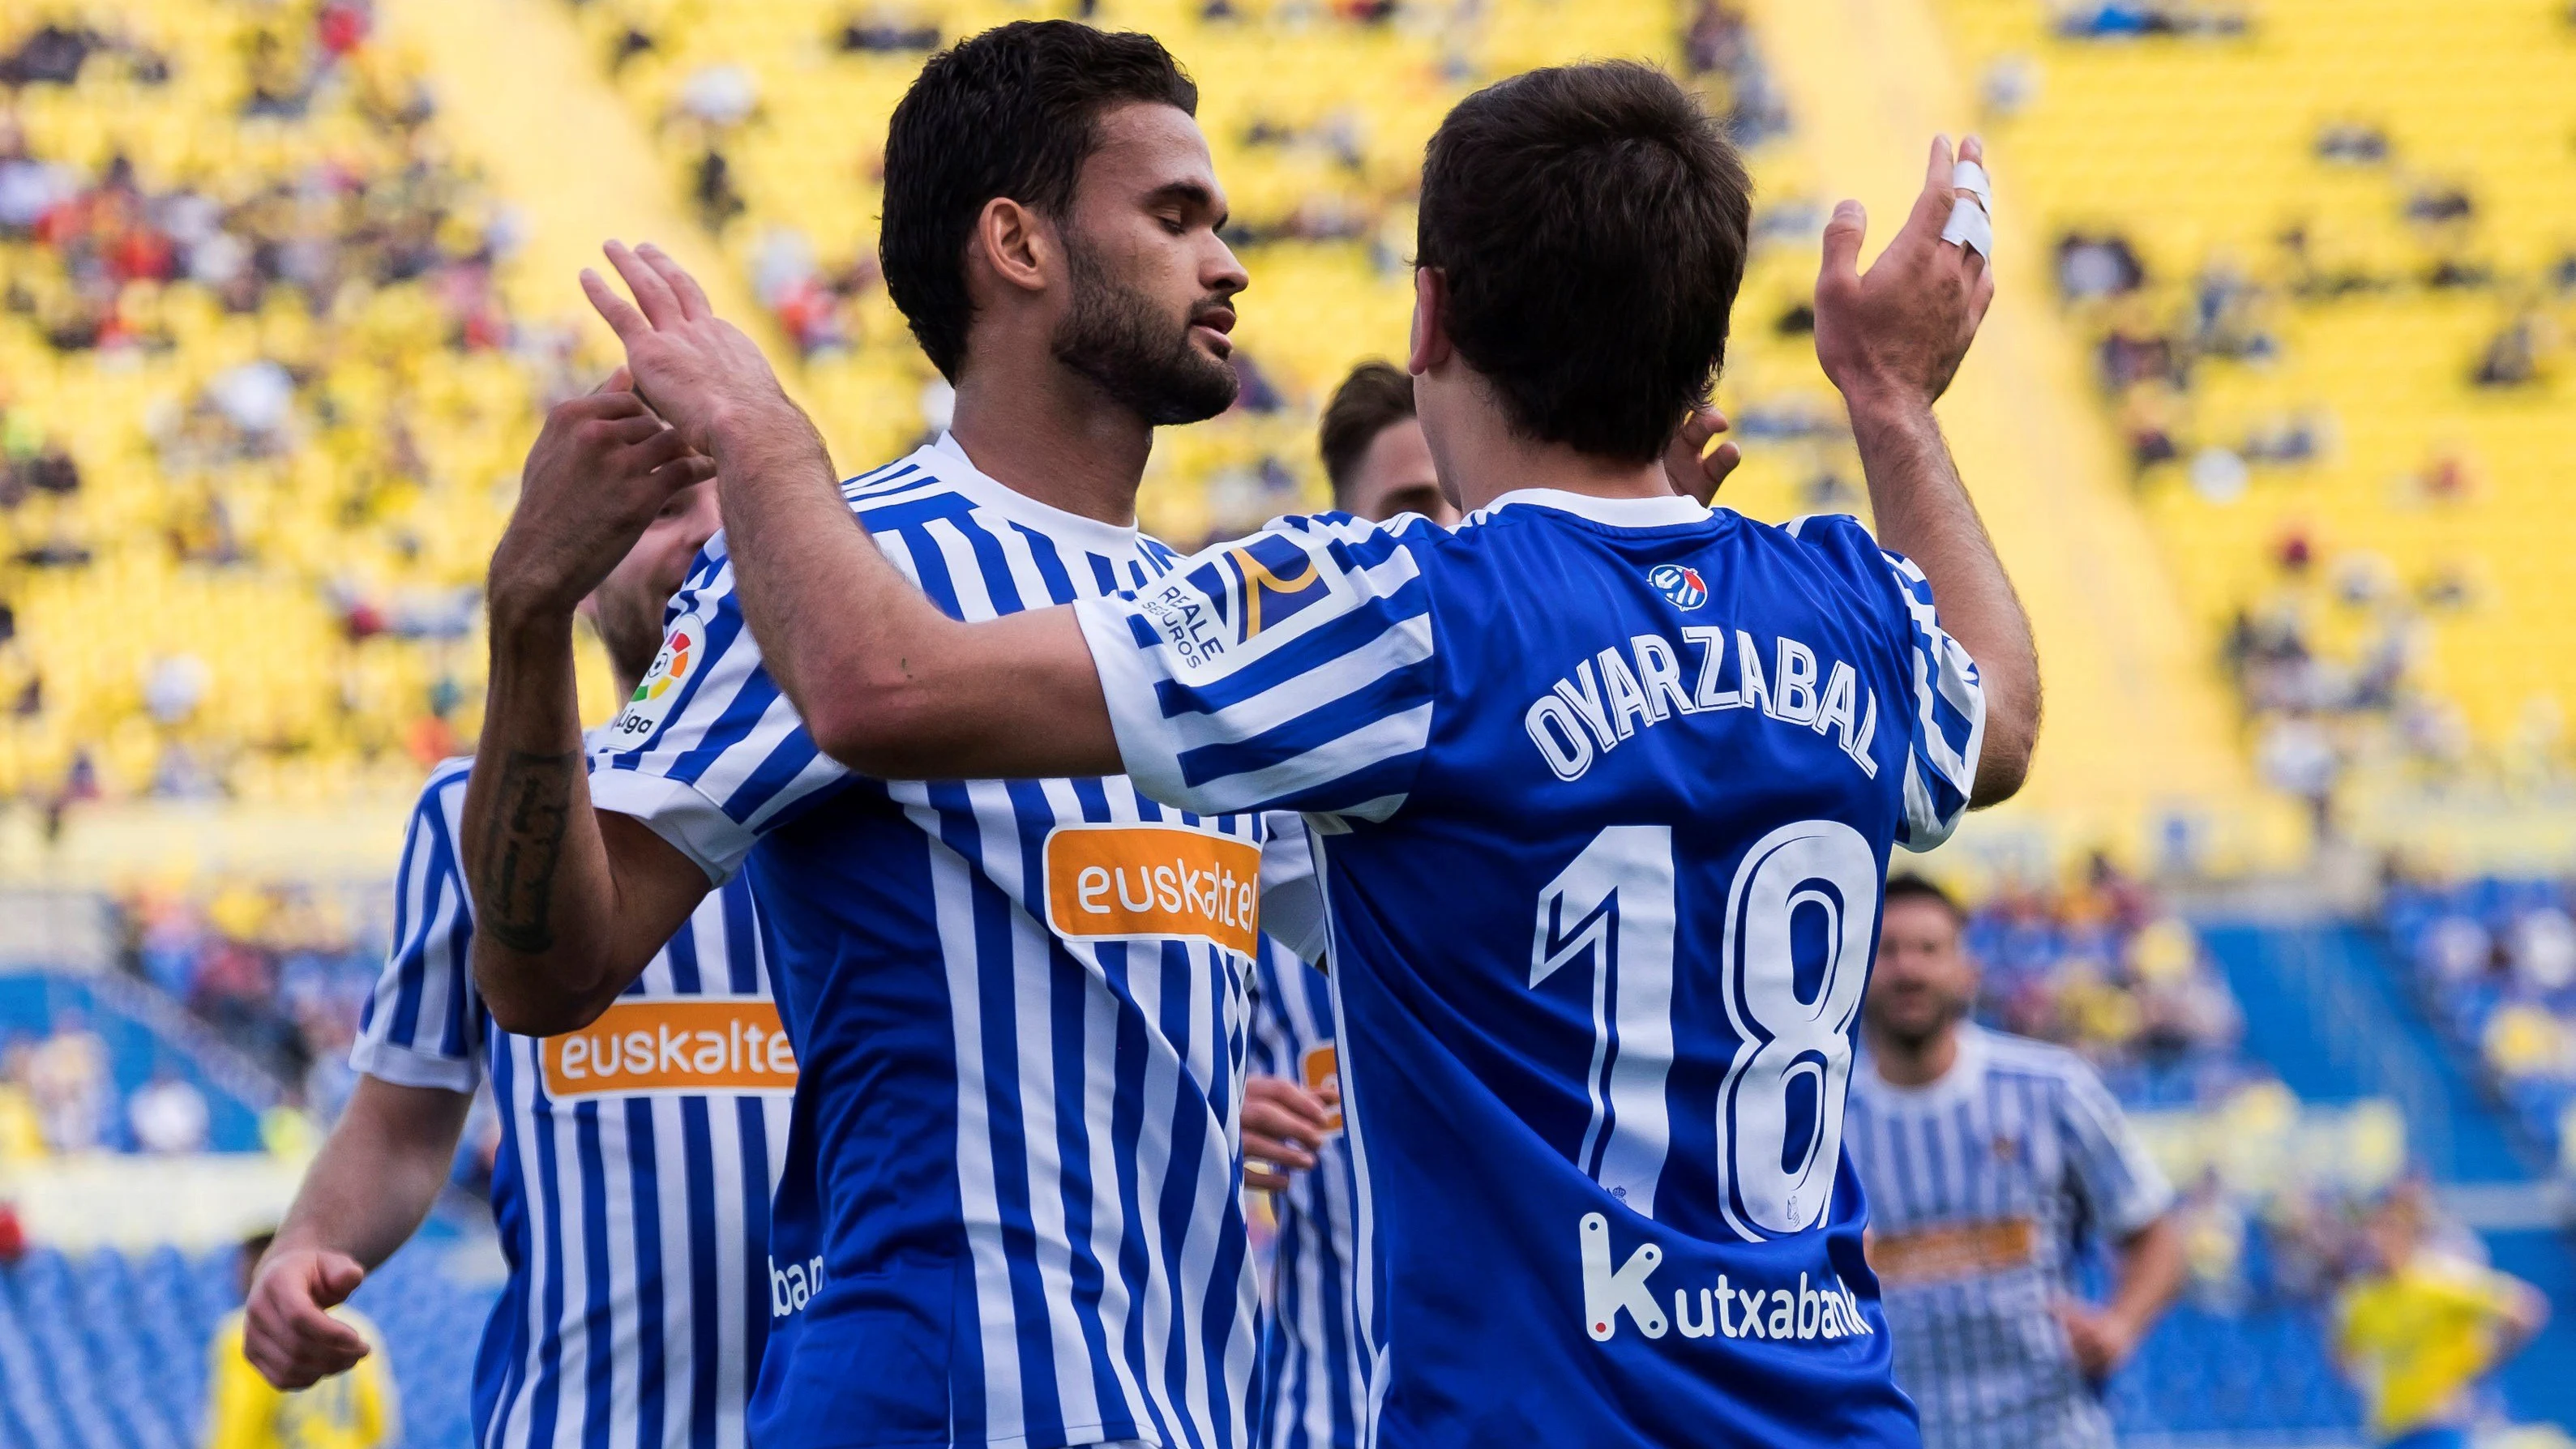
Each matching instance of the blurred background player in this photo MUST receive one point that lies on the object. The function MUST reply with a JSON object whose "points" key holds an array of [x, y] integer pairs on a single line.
{"points": [[1990, 1161], [1025, 1087], [1310, 1389], [2420, 1327], [353, 1409], [637, 1154], [1374, 455]]}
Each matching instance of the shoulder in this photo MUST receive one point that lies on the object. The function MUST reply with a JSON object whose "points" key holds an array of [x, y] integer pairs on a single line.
{"points": [[2024, 1057], [443, 793]]}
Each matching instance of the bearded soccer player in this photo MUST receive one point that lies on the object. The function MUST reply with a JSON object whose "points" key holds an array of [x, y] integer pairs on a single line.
{"points": [[1017, 1004], [637, 1154], [1602, 785]]}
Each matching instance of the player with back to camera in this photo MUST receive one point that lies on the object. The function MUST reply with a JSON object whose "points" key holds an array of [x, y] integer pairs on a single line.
{"points": [[1989, 1160], [1599, 731], [1016, 1004], [633, 1178], [1311, 1387]]}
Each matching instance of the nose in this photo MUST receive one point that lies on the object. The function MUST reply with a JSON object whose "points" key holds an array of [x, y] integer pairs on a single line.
{"points": [[1224, 274]]}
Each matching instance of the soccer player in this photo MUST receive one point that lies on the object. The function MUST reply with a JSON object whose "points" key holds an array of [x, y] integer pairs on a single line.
{"points": [[1017, 1005], [1989, 1160], [2420, 1327], [637, 1153], [1602, 784]]}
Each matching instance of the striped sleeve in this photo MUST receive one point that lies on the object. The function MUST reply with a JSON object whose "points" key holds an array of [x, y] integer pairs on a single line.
{"points": [[1946, 718], [2123, 1189], [423, 1024], [708, 752], [1290, 670]]}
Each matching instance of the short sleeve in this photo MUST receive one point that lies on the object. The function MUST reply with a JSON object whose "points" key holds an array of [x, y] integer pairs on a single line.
{"points": [[423, 1024], [1290, 670], [709, 753], [2122, 1187], [1946, 710]]}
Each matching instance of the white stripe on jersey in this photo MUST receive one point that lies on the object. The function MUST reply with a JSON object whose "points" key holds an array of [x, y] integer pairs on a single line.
{"points": [[571, 1169]]}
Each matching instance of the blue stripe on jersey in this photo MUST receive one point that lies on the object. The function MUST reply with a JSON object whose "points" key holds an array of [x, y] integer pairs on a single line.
{"points": [[1309, 1389], [576, 1350], [1390, 694], [1344, 635]]}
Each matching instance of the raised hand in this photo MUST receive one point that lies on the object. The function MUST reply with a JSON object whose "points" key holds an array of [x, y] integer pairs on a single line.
{"points": [[287, 1332], [1695, 469], [691, 366], [1900, 331], [600, 470]]}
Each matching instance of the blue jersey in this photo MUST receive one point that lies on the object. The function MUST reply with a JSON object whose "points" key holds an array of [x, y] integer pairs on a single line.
{"points": [[1602, 794], [1312, 1390], [633, 1179], [1010, 1212]]}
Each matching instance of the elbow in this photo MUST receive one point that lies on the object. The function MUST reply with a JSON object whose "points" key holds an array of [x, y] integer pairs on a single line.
{"points": [[2011, 739], [538, 997], [885, 728]]}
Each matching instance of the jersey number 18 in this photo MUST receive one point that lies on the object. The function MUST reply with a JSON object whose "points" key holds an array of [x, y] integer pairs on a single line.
{"points": [[1614, 907]]}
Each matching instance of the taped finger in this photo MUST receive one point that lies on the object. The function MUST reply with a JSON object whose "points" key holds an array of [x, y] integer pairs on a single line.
{"points": [[1972, 227]]}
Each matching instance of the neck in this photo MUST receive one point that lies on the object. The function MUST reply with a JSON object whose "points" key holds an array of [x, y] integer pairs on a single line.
{"points": [[1914, 1062], [1480, 458], [1048, 433]]}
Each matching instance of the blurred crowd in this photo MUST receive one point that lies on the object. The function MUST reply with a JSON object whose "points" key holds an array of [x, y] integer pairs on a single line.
{"points": [[254, 359], [2104, 967], [2494, 960]]}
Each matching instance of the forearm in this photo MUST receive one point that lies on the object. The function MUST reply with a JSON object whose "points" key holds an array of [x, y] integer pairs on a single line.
{"points": [[2150, 1274], [379, 1173], [1923, 511], [544, 898], [884, 681]]}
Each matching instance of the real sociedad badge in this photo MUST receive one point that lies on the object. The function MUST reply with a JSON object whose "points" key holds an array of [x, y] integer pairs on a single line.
{"points": [[1679, 583]]}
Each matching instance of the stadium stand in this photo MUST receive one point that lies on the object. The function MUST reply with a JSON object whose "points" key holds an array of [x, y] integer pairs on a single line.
{"points": [[2493, 962], [2317, 252], [262, 406]]}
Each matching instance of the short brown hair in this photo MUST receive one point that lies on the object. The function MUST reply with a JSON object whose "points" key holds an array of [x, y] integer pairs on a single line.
{"points": [[1907, 886], [1375, 397], [1591, 222]]}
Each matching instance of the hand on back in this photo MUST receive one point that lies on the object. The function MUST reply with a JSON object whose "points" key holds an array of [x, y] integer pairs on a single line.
{"points": [[601, 469], [1284, 1126], [1898, 331], [287, 1334]]}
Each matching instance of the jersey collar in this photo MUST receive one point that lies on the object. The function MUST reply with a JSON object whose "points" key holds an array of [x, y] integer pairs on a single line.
{"points": [[1616, 512], [949, 462]]}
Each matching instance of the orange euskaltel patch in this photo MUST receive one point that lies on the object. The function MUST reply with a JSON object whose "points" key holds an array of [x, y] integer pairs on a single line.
{"points": [[1130, 882], [697, 1044]]}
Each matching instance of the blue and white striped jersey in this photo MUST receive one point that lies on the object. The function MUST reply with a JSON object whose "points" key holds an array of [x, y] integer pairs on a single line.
{"points": [[636, 1163], [1018, 1009], [1983, 1188], [1602, 794], [1312, 1393]]}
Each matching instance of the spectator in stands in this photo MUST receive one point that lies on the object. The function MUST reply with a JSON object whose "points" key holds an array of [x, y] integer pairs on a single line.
{"points": [[354, 1410], [1373, 450], [1989, 1161], [67, 1078], [2421, 1326], [2091, 266], [168, 1114]]}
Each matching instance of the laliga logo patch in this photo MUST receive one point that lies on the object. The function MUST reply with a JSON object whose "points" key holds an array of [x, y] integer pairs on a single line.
{"points": [[683, 652], [1680, 584]]}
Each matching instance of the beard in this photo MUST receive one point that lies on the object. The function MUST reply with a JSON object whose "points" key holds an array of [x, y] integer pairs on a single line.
{"points": [[1120, 339]]}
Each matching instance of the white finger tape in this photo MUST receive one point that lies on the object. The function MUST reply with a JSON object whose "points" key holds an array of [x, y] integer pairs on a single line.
{"points": [[1969, 224]]}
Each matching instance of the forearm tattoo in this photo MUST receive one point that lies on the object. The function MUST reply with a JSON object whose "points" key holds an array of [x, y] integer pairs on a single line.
{"points": [[531, 810]]}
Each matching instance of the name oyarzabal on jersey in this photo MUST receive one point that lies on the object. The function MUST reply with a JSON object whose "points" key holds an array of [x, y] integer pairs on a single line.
{"points": [[636, 1162], [1602, 794], [1011, 1216]]}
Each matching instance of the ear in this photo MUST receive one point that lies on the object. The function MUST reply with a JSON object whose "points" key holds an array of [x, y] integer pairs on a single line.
{"points": [[1430, 343], [1016, 243]]}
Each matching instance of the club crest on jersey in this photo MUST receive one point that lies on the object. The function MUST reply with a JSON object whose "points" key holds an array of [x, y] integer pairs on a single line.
{"points": [[1260, 585], [1680, 584]]}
